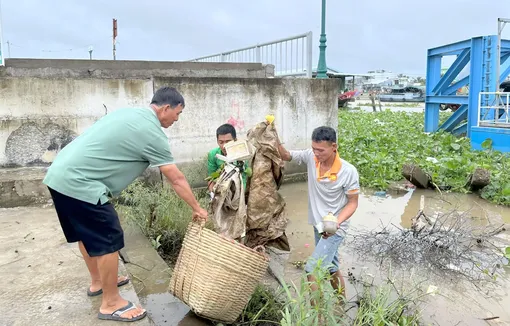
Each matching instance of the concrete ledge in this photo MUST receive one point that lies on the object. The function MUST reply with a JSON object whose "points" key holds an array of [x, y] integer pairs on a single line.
{"points": [[24, 187], [62, 68]]}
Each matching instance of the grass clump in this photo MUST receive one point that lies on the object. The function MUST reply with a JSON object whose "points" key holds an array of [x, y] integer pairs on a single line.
{"points": [[263, 308], [291, 305], [378, 308], [162, 216], [379, 143], [299, 310], [379, 305]]}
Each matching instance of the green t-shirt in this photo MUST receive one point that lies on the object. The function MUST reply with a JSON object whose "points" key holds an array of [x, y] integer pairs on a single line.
{"points": [[214, 163], [109, 155]]}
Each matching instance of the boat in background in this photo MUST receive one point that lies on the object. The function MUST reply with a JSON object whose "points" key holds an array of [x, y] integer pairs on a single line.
{"points": [[404, 94], [346, 97]]}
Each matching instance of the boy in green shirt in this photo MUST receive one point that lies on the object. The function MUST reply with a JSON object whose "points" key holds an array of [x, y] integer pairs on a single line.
{"points": [[224, 134]]}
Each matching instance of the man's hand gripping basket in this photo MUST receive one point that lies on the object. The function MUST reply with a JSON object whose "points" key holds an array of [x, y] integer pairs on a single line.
{"points": [[215, 276]]}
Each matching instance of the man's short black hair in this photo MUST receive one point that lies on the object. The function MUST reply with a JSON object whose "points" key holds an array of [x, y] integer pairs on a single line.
{"points": [[167, 95], [324, 134], [226, 129]]}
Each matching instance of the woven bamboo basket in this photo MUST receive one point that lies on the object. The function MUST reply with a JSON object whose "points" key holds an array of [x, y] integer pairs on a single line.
{"points": [[215, 276]]}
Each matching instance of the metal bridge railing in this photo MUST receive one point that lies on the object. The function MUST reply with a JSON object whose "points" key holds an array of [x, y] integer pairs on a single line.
{"points": [[494, 109], [291, 56]]}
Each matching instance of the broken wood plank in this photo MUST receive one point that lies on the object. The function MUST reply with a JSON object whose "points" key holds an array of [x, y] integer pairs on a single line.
{"points": [[415, 175]]}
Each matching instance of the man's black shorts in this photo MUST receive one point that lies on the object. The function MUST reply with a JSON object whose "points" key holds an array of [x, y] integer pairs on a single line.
{"points": [[97, 226]]}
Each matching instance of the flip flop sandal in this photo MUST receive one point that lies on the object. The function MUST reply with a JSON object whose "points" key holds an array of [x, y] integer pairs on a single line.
{"points": [[100, 291], [116, 315]]}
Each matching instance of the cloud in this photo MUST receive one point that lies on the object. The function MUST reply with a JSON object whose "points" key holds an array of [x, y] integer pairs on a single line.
{"points": [[362, 35]]}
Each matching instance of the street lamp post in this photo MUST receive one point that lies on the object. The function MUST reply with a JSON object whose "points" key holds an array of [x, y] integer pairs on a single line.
{"points": [[90, 52], [322, 68], [501, 25]]}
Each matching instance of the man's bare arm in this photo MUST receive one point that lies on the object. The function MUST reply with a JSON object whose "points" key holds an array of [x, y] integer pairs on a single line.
{"points": [[346, 212], [180, 185], [284, 153], [349, 208]]}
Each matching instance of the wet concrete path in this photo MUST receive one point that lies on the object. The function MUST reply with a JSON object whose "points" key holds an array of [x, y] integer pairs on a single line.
{"points": [[44, 279]]}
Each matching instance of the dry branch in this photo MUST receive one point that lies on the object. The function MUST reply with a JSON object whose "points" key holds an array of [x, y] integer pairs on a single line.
{"points": [[448, 246]]}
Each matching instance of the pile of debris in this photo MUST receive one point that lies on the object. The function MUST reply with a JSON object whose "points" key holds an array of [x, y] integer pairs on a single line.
{"points": [[447, 245]]}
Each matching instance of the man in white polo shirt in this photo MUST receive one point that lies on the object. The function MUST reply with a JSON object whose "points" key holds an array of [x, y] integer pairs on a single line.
{"points": [[333, 186]]}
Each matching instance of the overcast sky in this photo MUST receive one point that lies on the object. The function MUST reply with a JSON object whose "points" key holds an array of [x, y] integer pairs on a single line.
{"points": [[362, 34]]}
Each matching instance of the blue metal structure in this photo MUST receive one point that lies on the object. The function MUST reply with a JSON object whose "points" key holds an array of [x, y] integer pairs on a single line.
{"points": [[481, 53]]}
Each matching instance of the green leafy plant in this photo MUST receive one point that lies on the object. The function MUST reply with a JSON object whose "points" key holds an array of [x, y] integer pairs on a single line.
{"points": [[379, 143], [155, 242], [306, 307], [294, 306]]}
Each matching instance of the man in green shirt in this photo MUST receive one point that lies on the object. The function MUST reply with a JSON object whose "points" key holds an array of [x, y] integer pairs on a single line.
{"points": [[99, 164], [224, 134]]}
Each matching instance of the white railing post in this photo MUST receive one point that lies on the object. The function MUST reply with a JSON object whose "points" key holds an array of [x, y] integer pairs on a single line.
{"points": [[479, 109], [507, 111], [309, 54], [257, 54]]}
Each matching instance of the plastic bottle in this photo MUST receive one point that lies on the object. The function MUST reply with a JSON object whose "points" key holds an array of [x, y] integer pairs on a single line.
{"points": [[330, 223]]}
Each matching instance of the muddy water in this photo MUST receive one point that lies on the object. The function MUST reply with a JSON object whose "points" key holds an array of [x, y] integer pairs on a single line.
{"points": [[457, 304]]}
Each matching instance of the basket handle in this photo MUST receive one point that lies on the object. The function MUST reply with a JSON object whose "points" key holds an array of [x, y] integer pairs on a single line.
{"points": [[200, 223], [260, 249]]}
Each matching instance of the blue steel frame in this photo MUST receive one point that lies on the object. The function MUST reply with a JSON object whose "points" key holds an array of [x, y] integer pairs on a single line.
{"points": [[481, 53]]}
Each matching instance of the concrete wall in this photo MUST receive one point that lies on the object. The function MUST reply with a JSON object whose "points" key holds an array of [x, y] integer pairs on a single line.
{"points": [[299, 106], [38, 116]]}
